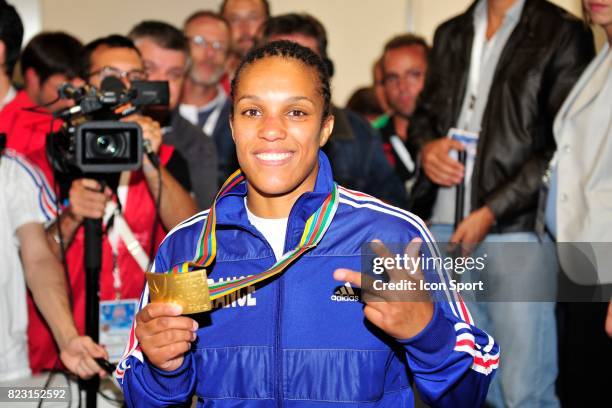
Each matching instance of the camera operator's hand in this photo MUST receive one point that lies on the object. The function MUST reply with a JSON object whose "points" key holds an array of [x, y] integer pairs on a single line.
{"points": [[87, 200], [151, 130], [164, 335], [78, 354]]}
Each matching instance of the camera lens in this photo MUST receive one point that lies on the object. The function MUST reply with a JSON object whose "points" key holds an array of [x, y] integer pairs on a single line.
{"points": [[107, 145]]}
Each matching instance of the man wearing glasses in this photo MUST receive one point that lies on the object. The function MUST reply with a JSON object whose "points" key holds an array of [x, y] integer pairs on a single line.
{"points": [[204, 102], [134, 193]]}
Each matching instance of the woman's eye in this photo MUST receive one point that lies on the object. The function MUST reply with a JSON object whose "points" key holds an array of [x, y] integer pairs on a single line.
{"points": [[297, 113], [250, 112]]}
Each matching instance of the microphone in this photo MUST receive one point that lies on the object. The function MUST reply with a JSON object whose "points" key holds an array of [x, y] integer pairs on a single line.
{"points": [[69, 91], [112, 84]]}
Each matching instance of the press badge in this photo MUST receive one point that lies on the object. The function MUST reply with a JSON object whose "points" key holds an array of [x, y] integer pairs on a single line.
{"points": [[116, 318]]}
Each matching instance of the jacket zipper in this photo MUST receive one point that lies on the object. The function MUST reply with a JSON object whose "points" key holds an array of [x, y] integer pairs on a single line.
{"points": [[279, 320], [278, 333], [278, 354]]}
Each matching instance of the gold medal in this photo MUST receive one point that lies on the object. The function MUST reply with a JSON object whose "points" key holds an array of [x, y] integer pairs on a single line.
{"points": [[190, 290]]}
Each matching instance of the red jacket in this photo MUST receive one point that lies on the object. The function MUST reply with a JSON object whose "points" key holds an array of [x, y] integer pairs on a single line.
{"points": [[26, 131]]}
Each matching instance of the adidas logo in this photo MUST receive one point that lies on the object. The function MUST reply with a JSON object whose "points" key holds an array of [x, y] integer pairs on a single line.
{"points": [[345, 294]]}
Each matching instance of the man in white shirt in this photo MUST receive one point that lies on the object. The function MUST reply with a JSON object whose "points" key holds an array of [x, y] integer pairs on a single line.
{"points": [[26, 202]]}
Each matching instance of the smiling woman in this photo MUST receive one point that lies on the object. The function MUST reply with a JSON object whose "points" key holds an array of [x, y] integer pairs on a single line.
{"points": [[302, 337], [280, 120]]}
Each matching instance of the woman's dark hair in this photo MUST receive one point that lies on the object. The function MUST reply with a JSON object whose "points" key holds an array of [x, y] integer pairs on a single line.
{"points": [[289, 50], [51, 53]]}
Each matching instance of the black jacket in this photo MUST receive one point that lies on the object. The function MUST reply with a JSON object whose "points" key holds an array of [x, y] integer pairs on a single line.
{"points": [[226, 149], [200, 156], [543, 58]]}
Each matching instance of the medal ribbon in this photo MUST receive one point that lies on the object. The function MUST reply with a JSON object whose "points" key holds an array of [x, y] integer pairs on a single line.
{"points": [[314, 230]]}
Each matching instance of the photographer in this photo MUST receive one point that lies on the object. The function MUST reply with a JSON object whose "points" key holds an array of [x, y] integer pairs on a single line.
{"points": [[121, 275]]}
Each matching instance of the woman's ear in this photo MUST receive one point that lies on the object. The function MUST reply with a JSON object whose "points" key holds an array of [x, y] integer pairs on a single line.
{"points": [[326, 130]]}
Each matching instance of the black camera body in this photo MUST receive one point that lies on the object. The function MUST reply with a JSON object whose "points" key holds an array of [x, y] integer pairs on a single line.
{"points": [[93, 140], [108, 146]]}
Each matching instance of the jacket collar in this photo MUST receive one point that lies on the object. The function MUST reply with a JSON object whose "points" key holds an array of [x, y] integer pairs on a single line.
{"points": [[523, 28], [467, 18], [231, 209], [584, 91], [582, 95]]}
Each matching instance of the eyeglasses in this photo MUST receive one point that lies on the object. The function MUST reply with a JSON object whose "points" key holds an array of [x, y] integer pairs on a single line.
{"points": [[133, 75], [202, 42]]}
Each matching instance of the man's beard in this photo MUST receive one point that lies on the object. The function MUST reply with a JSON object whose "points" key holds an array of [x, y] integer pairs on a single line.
{"points": [[212, 79]]}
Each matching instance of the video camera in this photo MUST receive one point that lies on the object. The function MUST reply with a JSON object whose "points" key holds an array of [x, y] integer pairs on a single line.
{"points": [[92, 139]]}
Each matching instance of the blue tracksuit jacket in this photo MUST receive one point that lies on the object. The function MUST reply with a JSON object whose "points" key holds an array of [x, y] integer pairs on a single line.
{"points": [[301, 339]]}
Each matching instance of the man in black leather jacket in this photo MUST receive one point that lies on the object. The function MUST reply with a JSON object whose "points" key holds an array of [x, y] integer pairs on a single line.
{"points": [[529, 54]]}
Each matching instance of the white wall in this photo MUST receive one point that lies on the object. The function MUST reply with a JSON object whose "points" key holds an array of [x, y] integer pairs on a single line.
{"points": [[31, 17], [357, 30]]}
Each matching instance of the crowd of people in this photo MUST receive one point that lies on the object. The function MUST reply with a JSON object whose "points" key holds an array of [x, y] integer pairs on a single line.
{"points": [[515, 87]]}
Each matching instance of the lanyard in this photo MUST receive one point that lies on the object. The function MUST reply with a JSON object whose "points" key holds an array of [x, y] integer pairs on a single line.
{"points": [[120, 230], [316, 226], [400, 149]]}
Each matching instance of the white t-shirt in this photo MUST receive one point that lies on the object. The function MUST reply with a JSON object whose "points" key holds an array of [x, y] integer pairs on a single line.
{"points": [[273, 230], [214, 107], [22, 201]]}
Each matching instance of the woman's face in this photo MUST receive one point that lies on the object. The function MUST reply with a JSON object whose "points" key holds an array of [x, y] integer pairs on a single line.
{"points": [[278, 127], [600, 11]]}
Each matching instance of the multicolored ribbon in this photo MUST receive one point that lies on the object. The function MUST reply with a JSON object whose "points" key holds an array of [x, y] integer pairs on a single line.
{"points": [[314, 230]]}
